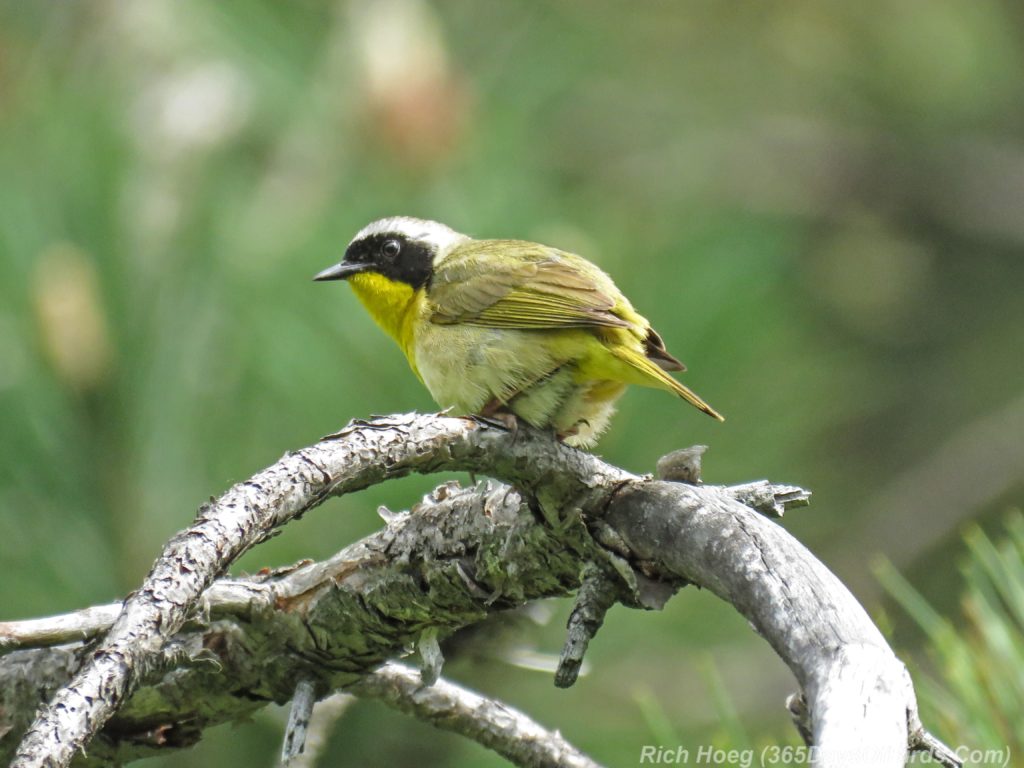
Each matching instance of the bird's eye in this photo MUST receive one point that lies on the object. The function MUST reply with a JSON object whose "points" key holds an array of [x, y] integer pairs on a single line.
{"points": [[391, 248]]}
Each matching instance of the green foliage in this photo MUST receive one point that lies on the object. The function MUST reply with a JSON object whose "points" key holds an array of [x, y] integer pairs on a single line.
{"points": [[975, 690]]}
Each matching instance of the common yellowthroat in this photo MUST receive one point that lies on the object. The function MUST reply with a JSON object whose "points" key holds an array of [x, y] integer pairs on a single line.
{"points": [[507, 326]]}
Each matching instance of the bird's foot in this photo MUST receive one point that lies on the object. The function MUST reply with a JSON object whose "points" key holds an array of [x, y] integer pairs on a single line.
{"points": [[495, 412], [491, 407], [572, 431]]}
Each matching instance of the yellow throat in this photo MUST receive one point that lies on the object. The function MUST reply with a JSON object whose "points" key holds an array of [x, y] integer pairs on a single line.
{"points": [[392, 305]]}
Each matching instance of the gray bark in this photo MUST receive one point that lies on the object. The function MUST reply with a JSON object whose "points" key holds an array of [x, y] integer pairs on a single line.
{"points": [[494, 725], [183, 654]]}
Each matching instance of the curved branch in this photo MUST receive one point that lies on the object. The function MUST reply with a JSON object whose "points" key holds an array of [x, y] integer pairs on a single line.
{"points": [[490, 723], [223, 531], [858, 692], [650, 532], [440, 567]]}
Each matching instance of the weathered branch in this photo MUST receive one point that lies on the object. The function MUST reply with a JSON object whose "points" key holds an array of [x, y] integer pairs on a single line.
{"points": [[496, 726], [325, 715], [299, 715], [442, 566], [597, 593], [335, 621], [57, 630]]}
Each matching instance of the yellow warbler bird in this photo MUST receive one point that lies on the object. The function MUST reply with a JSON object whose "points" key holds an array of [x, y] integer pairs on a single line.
{"points": [[497, 327]]}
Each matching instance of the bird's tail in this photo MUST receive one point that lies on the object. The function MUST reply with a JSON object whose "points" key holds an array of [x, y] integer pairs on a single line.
{"points": [[651, 371]]}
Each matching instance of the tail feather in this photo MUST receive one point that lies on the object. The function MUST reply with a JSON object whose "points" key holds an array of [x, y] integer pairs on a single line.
{"points": [[655, 350], [651, 370]]}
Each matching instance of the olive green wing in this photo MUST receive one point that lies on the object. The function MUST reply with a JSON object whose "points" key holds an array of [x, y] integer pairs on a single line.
{"points": [[517, 284]]}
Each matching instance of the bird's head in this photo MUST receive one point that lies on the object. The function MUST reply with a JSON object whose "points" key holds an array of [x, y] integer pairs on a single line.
{"points": [[400, 248]]}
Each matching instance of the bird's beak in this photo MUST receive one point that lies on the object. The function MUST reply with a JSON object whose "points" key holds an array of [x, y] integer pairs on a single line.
{"points": [[341, 271]]}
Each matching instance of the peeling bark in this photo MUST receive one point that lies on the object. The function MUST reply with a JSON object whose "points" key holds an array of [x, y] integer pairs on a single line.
{"points": [[183, 655]]}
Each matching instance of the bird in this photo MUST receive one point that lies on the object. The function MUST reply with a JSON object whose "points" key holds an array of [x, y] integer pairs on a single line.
{"points": [[507, 329]]}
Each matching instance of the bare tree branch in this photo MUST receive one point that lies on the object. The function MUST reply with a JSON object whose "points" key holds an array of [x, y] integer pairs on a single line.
{"points": [[442, 566], [57, 630], [598, 592], [325, 715], [299, 715], [450, 707], [654, 535], [222, 532]]}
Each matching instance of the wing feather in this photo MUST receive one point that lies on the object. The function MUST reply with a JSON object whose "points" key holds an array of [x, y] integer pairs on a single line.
{"points": [[516, 284]]}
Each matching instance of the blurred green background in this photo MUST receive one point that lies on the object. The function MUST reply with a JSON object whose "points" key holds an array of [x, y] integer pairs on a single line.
{"points": [[819, 205]]}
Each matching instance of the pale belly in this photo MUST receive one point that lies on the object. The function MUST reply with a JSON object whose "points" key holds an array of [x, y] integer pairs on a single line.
{"points": [[466, 368]]}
